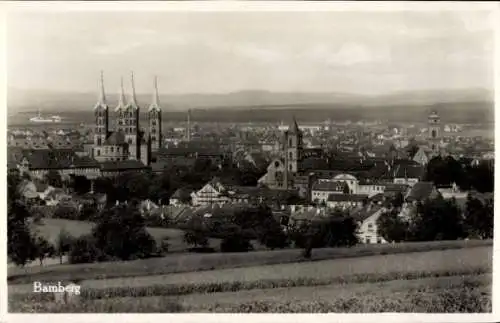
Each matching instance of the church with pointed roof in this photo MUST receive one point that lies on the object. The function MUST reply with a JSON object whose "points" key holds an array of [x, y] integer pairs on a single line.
{"points": [[127, 141]]}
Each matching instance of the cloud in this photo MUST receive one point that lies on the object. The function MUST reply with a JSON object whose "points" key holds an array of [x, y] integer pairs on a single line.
{"points": [[348, 54]]}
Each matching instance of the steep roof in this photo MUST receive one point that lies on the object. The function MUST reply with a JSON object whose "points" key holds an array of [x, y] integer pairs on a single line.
{"points": [[116, 138], [293, 127]]}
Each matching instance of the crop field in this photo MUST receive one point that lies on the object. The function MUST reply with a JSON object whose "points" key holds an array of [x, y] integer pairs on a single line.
{"points": [[433, 281], [180, 263]]}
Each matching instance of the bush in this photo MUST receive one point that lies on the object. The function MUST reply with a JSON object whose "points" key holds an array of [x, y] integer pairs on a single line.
{"points": [[84, 250], [121, 233], [235, 242]]}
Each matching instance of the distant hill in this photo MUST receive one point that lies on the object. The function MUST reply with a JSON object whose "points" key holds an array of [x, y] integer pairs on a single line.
{"points": [[20, 100]]}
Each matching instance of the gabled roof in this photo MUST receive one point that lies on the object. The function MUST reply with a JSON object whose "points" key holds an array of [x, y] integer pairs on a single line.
{"points": [[365, 212]]}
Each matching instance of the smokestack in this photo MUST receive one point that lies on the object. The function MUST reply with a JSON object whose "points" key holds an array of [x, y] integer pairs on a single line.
{"points": [[285, 146], [188, 130]]}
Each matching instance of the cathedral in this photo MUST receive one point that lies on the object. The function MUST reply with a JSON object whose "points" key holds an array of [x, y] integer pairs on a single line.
{"points": [[127, 141]]}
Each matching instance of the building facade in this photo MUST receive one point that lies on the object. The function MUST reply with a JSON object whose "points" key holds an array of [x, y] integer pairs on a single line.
{"points": [[128, 141]]}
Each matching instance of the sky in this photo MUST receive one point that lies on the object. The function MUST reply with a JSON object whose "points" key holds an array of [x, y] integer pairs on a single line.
{"points": [[220, 52]]}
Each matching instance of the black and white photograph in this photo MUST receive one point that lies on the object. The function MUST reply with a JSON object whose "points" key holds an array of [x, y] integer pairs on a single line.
{"points": [[338, 160]]}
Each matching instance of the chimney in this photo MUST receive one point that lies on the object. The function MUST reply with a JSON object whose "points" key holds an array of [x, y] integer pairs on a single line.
{"points": [[188, 130]]}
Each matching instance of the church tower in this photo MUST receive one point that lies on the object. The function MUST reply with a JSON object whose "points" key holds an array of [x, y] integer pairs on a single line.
{"points": [[293, 147], [434, 136], [154, 120], [120, 109], [101, 114], [132, 124]]}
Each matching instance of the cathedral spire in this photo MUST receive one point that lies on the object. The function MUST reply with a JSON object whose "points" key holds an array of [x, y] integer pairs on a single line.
{"points": [[293, 127], [101, 101], [156, 98], [134, 97], [121, 99], [102, 95]]}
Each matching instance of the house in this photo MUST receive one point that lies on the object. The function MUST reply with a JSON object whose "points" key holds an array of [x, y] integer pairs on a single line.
{"points": [[391, 190], [305, 215], [147, 206], [408, 174], [423, 155], [321, 190], [421, 191], [452, 192], [181, 196], [367, 223], [275, 175], [28, 190], [39, 162], [221, 192], [346, 201], [114, 168]]}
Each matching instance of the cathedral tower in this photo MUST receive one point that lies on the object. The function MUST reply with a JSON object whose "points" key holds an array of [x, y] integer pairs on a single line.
{"points": [[132, 124], [154, 120], [434, 136], [293, 147], [120, 109], [101, 114]]}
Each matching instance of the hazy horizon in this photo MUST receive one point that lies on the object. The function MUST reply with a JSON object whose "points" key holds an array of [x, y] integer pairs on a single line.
{"points": [[353, 53]]}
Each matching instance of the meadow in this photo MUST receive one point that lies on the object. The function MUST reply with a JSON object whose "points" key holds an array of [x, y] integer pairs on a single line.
{"points": [[448, 280], [50, 228], [189, 262], [439, 276]]}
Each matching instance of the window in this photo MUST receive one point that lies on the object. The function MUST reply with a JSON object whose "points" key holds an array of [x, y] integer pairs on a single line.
{"points": [[276, 164], [153, 130], [99, 141], [290, 155], [153, 122], [112, 149], [153, 138], [290, 142], [290, 167], [434, 133], [98, 152]]}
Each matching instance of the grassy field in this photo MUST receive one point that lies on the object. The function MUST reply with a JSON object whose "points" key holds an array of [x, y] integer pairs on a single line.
{"points": [[445, 280], [180, 263], [50, 228]]}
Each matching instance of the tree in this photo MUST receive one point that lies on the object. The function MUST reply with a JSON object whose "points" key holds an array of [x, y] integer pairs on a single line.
{"points": [[398, 200], [53, 178], [84, 250], [44, 249], [437, 219], [21, 246], [80, 184], [63, 244], [479, 218], [121, 233], [196, 238], [336, 230], [392, 227], [272, 234]]}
